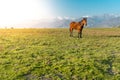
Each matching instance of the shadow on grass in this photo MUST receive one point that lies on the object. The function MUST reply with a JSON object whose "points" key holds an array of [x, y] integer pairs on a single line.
{"points": [[75, 37], [115, 36], [109, 36]]}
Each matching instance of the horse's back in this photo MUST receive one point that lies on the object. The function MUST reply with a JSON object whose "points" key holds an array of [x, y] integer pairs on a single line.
{"points": [[73, 25]]}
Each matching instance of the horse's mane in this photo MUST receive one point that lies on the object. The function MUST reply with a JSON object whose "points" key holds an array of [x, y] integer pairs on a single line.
{"points": [[80, 21]]}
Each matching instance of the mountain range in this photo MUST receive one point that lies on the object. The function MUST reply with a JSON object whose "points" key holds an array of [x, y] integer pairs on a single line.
{"points": [[105, 20]]}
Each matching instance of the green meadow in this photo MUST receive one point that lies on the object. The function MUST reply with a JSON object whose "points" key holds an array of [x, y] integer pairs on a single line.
{"points": [[51, 54]]}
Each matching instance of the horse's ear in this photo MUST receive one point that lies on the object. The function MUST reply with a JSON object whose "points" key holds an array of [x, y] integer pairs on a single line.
{"points": [[85, 18]]}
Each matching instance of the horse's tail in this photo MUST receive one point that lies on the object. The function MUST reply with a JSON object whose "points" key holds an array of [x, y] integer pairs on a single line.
{"points": [[71, 26], [70, 29]]}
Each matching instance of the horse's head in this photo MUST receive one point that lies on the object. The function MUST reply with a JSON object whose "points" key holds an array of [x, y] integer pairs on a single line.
{"points": [[84, 21]]}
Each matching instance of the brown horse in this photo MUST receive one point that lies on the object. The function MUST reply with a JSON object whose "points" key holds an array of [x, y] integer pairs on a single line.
{"points": [[78, 26]]}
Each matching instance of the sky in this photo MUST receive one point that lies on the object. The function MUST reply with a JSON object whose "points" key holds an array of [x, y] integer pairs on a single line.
{"points": [[22, 11], [77, 8]]}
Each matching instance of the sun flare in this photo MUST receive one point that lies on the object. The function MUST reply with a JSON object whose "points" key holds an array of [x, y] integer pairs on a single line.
{"points": [[20, 11]]}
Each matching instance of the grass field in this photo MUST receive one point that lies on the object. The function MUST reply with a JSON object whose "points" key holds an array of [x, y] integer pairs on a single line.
{"points": [[50, 54]]}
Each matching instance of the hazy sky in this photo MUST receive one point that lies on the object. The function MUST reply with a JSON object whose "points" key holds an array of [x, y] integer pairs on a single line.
{"points": [[20, 11]]}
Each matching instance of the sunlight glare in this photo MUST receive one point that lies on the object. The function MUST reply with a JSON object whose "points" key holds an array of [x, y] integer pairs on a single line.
{"points": [[20, 11]]}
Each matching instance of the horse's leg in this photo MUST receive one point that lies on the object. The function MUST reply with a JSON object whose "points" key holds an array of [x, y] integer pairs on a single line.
{"points": [[71, 32], [78, 34]]}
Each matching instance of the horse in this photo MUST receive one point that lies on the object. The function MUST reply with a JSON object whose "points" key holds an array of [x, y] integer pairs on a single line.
{"points": [[78, 26]]}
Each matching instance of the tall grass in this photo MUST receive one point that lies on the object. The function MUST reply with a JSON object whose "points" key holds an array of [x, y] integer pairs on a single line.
{"points": [[50, 54]]}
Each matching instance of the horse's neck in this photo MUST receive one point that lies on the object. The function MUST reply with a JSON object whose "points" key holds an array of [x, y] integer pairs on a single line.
{"points": [[81, 23]]}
